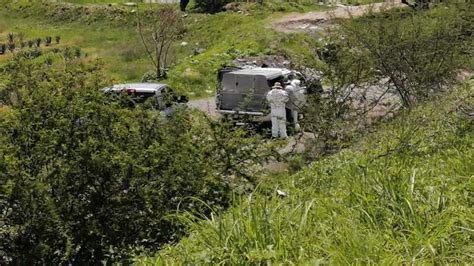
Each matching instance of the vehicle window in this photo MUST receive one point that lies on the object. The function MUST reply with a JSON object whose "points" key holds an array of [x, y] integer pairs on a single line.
{"points": [[140, 97], [229, 83], [245, 84]]}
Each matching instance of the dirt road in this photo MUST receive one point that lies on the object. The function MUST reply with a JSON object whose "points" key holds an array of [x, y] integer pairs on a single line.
{"points": [[320, 20], [304, 22], [207, 105]]}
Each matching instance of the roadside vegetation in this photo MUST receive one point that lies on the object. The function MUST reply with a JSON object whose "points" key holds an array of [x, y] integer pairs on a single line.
{"points": [[86, 178], [110, 35], [401, 195], [376, 65]]}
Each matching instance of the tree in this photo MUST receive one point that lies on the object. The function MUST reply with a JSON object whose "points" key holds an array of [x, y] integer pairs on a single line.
{"points": [[158, 29], [334, 112], [418, 52], [83, 180], [383, 62], [211, 6]]}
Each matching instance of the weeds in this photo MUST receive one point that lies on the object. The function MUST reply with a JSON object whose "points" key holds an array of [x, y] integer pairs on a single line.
{"points": [[379, 205]]}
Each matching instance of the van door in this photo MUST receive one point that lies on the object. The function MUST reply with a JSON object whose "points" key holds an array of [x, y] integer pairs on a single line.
{"points": [[160, 102], [229, 94]]}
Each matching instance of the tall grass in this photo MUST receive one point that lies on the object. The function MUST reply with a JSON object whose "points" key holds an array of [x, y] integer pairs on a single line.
{"points": [[404, 196]]}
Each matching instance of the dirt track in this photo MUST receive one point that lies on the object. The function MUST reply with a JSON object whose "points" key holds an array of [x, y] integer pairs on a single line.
{"points": [[207, 105], [304, 22], [316, 21]]}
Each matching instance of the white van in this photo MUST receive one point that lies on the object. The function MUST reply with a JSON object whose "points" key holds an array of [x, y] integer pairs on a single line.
{"points": [[241, 93], [141, 92]]}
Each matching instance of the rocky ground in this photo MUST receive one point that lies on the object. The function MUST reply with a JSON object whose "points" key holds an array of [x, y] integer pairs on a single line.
{"points": [[319, 21], [296, 22]]}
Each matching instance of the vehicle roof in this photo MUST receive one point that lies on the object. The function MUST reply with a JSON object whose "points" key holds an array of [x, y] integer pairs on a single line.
{"points": [[269, 73], [139, 87]]}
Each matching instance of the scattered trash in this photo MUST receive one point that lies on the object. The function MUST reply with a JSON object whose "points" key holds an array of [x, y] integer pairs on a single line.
{"points": [[199, 51], [272, 61], [281, 193]]}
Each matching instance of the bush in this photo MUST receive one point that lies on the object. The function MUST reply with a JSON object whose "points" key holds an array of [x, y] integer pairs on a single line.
{"points": [[376, 203], [84, 180], [374, 65], [211, 6], [419, 52], [150, 76]]}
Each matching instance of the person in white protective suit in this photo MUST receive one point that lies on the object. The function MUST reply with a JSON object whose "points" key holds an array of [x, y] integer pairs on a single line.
{"points": [[278, 98], [297, 100]]}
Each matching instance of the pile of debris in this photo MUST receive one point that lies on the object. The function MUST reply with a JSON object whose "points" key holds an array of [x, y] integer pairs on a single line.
{"points": [[271, 61]]}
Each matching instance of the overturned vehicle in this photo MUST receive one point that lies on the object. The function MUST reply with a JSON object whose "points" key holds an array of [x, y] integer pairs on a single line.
{"points": [[161, 96], [241, 94]]}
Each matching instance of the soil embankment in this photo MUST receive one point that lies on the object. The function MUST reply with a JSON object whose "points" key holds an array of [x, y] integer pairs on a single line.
{"points": [[320, 20]]}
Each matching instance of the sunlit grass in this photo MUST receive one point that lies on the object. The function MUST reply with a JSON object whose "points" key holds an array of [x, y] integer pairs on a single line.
{"points": [[403, 196], [220, 38]]}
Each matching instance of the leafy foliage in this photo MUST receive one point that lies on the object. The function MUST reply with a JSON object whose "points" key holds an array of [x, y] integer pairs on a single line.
{"points": [[419, 52], [374, 65], [402, 195], [85, 180], [211, 6], [399, 196]]}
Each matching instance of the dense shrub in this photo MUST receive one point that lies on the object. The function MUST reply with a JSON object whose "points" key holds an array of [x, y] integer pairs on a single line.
{"points": [[418, 52], [375, 65], [84, 180], [403, 195], [211, 6]]}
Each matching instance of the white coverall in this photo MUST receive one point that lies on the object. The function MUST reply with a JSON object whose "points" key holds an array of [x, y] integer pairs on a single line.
{"points": [[297, 101], [278, 98]]}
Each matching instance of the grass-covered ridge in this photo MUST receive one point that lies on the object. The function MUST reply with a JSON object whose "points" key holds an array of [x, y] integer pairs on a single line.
{"points": [[402, 195], [109, 33]]}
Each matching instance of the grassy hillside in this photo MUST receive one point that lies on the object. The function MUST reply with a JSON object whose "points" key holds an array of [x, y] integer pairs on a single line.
{"points": [[109, 34], [95, 1], [281, 3], [403, 195]]}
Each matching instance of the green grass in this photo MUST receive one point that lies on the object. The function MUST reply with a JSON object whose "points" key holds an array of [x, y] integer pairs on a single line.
{"points": [[403, 195], [117, 47], [225, 42], [95, 1], [361, 2], [114, 40]]}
